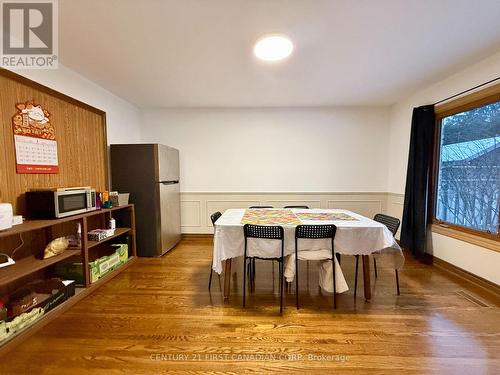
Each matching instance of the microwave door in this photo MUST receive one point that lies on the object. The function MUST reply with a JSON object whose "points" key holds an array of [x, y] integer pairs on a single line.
{"points": [[69, 203]]}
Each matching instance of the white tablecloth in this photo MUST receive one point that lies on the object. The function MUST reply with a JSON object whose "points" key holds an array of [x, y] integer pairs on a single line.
{"points": [[360, 237]]}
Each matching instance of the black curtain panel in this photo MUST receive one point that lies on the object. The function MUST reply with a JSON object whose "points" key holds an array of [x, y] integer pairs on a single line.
{"points": [[414, 226]]}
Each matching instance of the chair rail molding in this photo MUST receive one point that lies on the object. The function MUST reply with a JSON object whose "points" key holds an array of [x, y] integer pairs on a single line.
{"points": [[196, 207]]}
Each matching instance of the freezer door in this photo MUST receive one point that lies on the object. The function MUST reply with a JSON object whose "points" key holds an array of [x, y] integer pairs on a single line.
{"points": [[170, 215], [168, 163]]}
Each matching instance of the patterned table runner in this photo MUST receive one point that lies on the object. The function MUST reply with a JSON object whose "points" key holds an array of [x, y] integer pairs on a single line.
{"points": [[325, 216], [269, 217], [287, 217]]}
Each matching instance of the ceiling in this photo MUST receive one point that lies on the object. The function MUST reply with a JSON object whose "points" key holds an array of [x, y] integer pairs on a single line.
{"points": [[198, 53]]}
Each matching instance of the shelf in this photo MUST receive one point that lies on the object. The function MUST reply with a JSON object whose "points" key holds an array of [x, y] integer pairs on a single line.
{"points": [[28, 265], [118, 232], [80, 293], [30, 225]]}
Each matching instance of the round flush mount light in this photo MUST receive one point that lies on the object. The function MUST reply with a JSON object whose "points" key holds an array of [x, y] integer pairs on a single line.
{"points": [[273, 48]]}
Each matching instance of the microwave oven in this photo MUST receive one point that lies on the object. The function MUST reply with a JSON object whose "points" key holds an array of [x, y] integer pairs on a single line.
{"points": [[58, 203]]}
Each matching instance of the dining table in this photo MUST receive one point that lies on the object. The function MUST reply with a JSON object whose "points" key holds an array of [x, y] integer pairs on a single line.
{"points": [[355, 235]]}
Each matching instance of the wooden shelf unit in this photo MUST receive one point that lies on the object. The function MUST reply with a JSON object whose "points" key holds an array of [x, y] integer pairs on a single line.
{"points": [[31, 264]]}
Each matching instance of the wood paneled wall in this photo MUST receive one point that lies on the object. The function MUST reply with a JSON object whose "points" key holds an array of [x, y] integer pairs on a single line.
{"points": [[80, 135]]}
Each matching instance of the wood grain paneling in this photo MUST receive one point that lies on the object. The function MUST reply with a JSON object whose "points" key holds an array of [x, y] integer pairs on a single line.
{"points": [[80, 134]]}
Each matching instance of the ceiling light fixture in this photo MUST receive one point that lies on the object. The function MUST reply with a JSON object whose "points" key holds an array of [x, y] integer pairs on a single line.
{"points": [[273, 48]]}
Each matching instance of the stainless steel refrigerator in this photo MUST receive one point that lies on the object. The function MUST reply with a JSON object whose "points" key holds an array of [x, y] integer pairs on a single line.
{"points": [[150, 173]]}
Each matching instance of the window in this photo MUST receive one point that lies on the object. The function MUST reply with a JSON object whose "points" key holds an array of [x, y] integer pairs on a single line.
{"points": [[467, 180]]}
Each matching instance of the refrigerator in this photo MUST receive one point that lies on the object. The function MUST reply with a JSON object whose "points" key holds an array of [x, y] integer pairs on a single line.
{"points": [[150, 173]]}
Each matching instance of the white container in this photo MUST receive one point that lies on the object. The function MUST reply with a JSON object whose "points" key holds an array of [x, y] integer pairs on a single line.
{"points": [[119, 199], [5, 216]]}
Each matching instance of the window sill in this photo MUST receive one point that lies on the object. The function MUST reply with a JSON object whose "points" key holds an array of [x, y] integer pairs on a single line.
{"points": [[491, 244]]}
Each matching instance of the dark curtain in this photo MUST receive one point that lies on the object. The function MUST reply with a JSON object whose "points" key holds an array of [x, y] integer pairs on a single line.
{"points": [[414, 226]]}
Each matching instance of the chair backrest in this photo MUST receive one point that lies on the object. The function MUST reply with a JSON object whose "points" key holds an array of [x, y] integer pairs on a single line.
{"points": [[261, 207], [215, 216], [315, 231], [304, 207], [392, 223], [263, 231]]}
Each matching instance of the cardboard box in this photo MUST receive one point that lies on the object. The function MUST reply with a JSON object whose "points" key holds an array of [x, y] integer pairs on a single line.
{"points": [[122, 250], [97, 268]]}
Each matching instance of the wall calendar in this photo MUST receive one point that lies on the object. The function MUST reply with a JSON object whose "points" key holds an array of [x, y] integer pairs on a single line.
{"points": [[35, 139]]}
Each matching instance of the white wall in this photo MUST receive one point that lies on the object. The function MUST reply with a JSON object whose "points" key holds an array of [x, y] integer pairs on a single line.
{"points": [[477, 260], [122, 118], [275, 149]]}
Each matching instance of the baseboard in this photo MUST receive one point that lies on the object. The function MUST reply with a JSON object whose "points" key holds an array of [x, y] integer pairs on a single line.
{"points": [[466, 275], [187, 236]]}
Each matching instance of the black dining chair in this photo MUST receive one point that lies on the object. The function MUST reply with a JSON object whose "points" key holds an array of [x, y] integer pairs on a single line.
{"points": [[302, 207], [251, 266], [214, 217], [264, 232], [315, 232], [392, 223]]}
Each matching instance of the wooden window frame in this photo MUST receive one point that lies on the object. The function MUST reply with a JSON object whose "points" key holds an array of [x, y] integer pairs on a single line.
{"points": [[476, 99]]}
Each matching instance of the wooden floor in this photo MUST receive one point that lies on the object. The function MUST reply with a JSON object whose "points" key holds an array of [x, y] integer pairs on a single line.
{"points": [[158, 317]]}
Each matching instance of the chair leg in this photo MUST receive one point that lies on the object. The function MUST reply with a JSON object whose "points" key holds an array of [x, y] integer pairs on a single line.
{"points": [[249, 271], [338, 258], [297, 281], [356, 276], [375, 266], [334, 286], [274, 278], [250, 274], [244, 279], [397, 282], [253, 274], [279, 280], [281, 286], [210, 279]]}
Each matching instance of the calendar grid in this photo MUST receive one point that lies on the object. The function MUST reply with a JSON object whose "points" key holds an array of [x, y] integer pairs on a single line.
{"points": [[36, 155]]}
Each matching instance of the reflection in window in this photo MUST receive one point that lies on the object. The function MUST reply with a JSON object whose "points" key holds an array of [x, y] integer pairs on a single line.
{"points": [[468, 185]]}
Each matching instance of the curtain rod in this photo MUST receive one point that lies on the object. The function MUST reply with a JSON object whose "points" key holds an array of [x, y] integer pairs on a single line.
{"points": [[466, 91]]}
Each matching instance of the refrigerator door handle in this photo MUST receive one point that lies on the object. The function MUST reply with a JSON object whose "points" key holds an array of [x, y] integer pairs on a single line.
{"points": [[169, 182]]}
